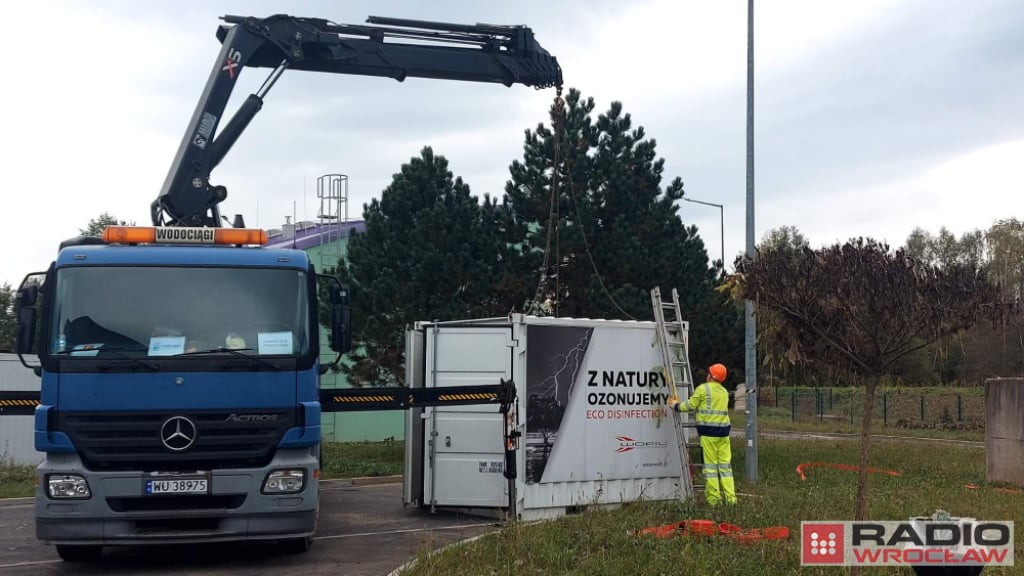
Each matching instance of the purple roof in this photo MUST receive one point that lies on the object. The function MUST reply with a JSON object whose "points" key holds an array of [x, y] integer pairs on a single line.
{"points": [[309, 237]]}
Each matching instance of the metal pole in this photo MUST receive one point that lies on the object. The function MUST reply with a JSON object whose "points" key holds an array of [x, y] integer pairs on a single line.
{"points": [[721, 211], [751, 356], [721, 214]]}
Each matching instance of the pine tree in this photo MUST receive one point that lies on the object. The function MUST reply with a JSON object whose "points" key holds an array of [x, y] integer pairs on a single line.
{"points": [[7, 319], [429, 251], [96, 225], [617, 231]]}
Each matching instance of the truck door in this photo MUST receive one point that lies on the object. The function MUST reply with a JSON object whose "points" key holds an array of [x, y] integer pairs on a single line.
{"points": [[464, 445]]}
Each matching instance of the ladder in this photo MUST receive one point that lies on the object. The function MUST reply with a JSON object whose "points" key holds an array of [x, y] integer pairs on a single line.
{"points": [[674, 339]]}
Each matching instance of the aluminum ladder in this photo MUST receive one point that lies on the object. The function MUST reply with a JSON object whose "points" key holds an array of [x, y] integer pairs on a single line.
{"points": [[673, 337]]}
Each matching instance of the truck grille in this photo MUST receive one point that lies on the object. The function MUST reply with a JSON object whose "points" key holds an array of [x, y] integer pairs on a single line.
{"points": [[114, 441]]}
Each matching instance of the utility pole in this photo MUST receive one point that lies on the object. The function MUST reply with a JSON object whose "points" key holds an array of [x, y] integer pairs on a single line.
{"points": [[751, 354], [721, 214]]}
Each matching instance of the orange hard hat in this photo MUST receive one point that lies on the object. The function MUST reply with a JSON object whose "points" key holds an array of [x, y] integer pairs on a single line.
{"points": [[718, 372]]}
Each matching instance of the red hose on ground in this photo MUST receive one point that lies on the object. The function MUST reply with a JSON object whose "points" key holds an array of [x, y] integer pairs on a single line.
{"points": [[996, 488], [709, 528], [800, 468]]}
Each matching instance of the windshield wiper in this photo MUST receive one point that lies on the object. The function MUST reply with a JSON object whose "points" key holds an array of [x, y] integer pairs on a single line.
{"points": [[235, 351], [120, 353]]}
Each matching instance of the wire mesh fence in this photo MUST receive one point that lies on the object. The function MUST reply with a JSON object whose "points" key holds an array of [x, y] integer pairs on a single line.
{"points": [[939, 408]]}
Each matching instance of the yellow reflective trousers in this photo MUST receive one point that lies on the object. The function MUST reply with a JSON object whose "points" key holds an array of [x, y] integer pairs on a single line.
{"points": [[718, 482]]}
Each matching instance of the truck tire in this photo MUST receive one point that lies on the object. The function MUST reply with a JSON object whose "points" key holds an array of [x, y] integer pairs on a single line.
{"points": [[297, 545], [78, 553]]}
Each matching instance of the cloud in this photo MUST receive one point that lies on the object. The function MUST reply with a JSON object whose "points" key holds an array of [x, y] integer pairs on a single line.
{"points": [[866, 112]]}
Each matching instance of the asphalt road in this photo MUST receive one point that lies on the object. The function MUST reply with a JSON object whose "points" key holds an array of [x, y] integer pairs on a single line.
{"points": [[363, 531]]}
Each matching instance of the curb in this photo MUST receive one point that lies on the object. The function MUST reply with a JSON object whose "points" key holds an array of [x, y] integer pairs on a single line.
{"points": [[401, 569], [497, 527], [364, 480], [16, 501]]}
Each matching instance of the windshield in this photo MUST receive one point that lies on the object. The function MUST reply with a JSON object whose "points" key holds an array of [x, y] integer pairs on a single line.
{"points": [[170, 311]]}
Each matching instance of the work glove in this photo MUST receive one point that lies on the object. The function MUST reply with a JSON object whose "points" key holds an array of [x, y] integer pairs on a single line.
{"points": [[673, 402]]}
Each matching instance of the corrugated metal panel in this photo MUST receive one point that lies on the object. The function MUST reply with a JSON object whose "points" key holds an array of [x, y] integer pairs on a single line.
{"points": [[549, 500], [16, 436]]}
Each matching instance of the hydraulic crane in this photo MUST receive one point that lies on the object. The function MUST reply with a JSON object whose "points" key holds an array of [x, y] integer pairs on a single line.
{"points": [[476, 53], [176, 409]]}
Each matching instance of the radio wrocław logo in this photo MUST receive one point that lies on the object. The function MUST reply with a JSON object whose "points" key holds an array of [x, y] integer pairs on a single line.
{"points": [[916, 542]]}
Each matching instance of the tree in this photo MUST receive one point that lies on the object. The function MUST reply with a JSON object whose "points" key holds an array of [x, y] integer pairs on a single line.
{"points": [[594, 230], [1005, 242], [428, 252], [859, 307], [945, 249], [980, 352], [785, 237], [96, 225], [772, 350], [7, 318]]}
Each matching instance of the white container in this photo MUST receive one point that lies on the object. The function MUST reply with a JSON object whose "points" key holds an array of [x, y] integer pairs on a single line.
{"points": [[17, 433], [591, 410]]}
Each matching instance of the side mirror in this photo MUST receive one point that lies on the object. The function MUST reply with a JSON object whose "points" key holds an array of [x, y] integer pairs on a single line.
{"points": [[25, 331], [26, 315], [28, 295], [341, 318]]}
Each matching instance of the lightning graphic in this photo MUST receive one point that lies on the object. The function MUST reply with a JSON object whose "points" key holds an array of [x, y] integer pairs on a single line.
{"points": [[571, 362]]}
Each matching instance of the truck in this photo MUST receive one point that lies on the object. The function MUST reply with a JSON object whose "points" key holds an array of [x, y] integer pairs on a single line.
{"points": [[180, 362]]}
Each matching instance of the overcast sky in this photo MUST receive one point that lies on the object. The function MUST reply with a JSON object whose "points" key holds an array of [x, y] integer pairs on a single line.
{"points": [[871, 118]]}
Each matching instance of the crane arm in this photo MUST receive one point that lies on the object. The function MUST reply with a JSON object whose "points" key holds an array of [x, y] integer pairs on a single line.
{"points": [[475, 53]]}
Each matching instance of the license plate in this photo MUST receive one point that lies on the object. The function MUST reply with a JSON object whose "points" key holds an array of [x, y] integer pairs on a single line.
{"points": [[178, 486]]}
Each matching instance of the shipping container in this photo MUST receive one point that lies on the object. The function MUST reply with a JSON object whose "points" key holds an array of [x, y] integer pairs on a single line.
{"points": [[591, 410], [17, 434]]}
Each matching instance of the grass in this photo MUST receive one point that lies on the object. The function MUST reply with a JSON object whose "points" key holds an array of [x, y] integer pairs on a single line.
{"points": [[357, 459], [771, 418], [597, 542], [956, 413], [340, 460], [17, 481]]}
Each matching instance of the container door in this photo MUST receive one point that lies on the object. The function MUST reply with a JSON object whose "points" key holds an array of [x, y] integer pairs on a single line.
{"points": [[412, 490], [465, 443]]}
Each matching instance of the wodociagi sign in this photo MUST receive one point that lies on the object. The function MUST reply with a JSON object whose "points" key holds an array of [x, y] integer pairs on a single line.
{"points": [[596, 406], [962, 542]]}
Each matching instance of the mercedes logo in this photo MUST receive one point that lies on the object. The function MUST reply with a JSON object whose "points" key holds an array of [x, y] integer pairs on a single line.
{"points": [[178, 433]]}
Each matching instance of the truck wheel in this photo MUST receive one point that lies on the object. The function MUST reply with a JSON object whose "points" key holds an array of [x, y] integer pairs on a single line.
{"points": [[297, 545], [76, 553]]}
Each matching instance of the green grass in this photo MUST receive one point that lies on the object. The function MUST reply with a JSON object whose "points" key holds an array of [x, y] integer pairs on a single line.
{"points": [[358, 459], [17, 481], [771, 418], [933, 412], [341, 460], [597, 542]]}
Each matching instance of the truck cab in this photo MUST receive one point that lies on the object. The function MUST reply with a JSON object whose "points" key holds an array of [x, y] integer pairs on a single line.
{"points": [[179, 388]]}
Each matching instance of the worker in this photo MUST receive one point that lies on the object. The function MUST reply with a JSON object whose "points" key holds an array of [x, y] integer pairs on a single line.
{"points": [[710, 401]]}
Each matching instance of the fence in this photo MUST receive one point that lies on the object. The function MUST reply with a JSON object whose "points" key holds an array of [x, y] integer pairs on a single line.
{"points": [[945, 408]]}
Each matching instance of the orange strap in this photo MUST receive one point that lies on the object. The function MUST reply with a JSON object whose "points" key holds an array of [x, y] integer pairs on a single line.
{"points": [[709, 528], [996, 488], [800, 468]]}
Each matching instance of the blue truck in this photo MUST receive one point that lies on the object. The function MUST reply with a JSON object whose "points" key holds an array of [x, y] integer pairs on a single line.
{"points": [[180, 362]]}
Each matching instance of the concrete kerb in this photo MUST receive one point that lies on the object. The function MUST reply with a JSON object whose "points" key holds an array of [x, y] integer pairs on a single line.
{"points": [[363, 480], [408, 565]]}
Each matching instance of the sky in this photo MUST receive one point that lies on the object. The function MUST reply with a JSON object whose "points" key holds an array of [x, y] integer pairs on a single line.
{"points": [[871, 118]]}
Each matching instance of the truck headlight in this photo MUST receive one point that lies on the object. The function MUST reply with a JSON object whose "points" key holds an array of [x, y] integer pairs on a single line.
{"points": [[285, 481], [67, 486]]}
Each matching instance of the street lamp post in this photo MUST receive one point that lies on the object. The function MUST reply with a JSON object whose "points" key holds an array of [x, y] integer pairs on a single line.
{"points": [[721, 210]]}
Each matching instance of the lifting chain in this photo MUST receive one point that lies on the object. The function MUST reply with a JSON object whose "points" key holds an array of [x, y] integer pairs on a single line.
{"points": [[539, 306]]}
